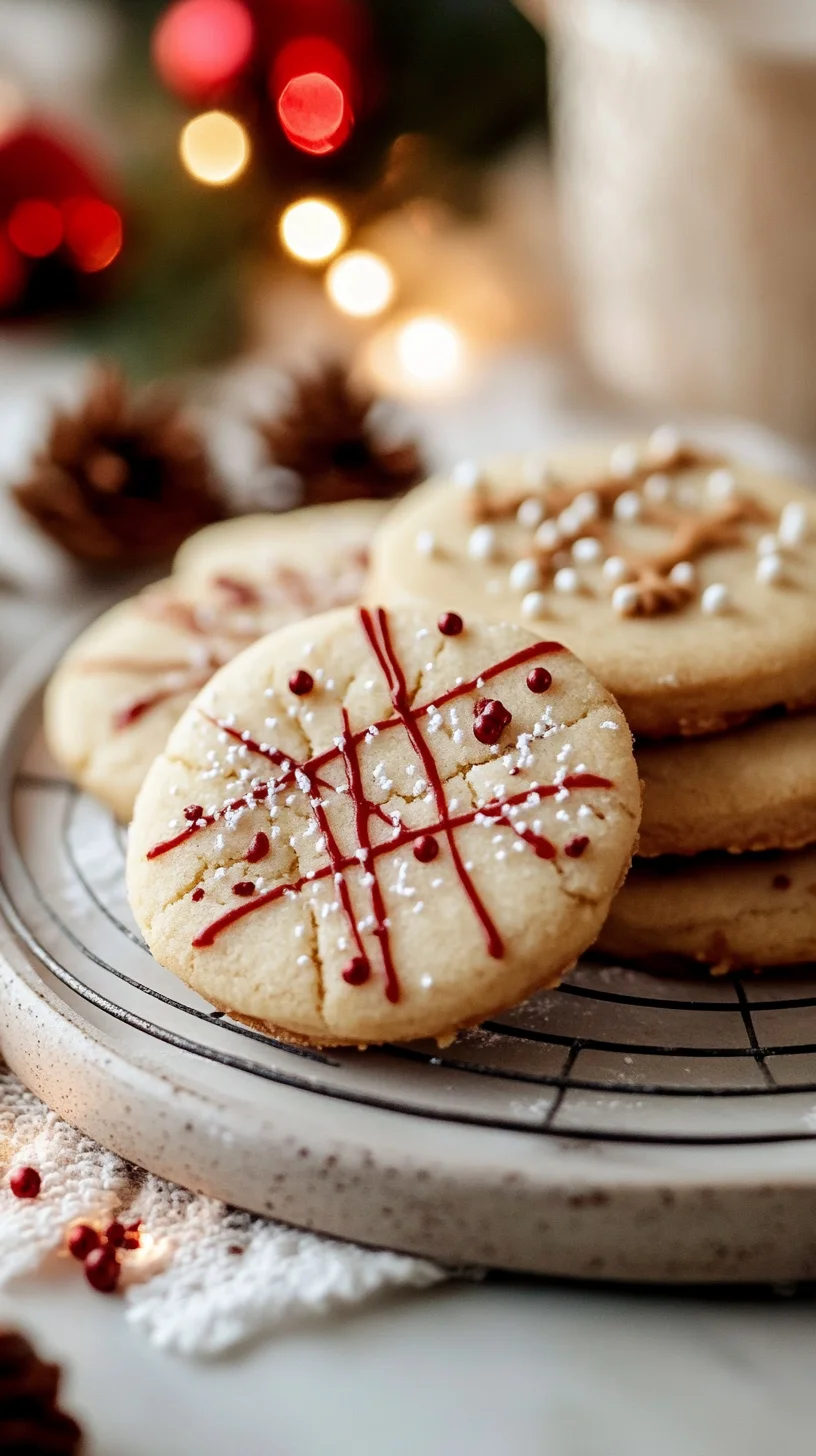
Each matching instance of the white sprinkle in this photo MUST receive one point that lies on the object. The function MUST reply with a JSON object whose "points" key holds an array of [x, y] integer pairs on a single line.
{"points": [[623, 461], [466, 475], [664, 442], [547, 536], [482, 543], [500, 854], [716, 600], [586, 548], [628, 506], [770, 570], [567, 580], [683, 574], [657, 487], [569, 522], [530, 513], [426, 982], [721, 484], [793, 524], [519, 846], [616, 569], [587, 505], [303, 960], [767, 545], [610, 724], [524, 574], [426, 543], [625, 599]]}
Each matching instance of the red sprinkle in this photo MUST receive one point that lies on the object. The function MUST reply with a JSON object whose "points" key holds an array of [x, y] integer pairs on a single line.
{"points": [[115, 1234], [539, 679], [357, 972], [198, 894], [25, 1182], [450, 624], [243, 888], [102, 1270], [576, 847], [491, 720], [258, 847], [193, 812], [82, 1238], [301, 683], [425, 848]]}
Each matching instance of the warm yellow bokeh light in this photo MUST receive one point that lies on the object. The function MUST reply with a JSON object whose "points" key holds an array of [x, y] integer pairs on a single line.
{"points": [[312, 230], [360, 283], [430, 350], [214, 148]]}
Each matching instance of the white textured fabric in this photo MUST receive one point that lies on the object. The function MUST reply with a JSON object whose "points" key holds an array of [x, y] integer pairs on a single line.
{"points": [[208, 1276]]}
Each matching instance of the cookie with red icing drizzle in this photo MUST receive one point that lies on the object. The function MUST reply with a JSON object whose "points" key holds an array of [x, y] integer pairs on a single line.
{"points": [[393, 853], [122, 686], [686, 582]]}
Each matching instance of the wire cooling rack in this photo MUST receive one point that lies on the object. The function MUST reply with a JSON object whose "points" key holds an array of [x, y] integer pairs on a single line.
{"points": [[613, 1055]]}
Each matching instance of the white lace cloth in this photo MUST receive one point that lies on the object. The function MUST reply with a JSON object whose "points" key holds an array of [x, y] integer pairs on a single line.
{"points": [[208, 1277]]}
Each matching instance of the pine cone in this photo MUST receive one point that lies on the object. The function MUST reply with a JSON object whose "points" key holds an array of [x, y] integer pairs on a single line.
{"points": [[327, 438], [31, 1423], [122, 478]]}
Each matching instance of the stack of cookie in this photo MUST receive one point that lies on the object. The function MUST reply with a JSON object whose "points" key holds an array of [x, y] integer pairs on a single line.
{"points": [[688, 585]]}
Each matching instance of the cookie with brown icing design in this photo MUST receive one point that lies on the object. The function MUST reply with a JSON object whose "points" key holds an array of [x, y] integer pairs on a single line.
{"points": [[121, 687], [686, 583], [380, 825]]}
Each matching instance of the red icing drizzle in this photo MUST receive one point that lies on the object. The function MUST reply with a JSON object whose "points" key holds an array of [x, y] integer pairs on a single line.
{"points": [[395, 677], [367, 853]]}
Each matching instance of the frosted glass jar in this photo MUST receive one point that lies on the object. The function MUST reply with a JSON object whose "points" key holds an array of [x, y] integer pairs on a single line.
{"points": [[686, 158]]}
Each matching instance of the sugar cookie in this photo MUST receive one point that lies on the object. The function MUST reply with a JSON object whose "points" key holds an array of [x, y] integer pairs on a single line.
{"points": [[687, 586], [726, 911], [376, 826], [751, 789], [123, 684]]}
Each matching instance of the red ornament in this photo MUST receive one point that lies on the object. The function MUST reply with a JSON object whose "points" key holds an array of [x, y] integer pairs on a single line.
{"points": [[202, 46], [193, 812], [301, 683], [102, 1269], [244, 888], [425, 848], [52, 203], [357, 971], [198, 894], [450, 624], [35, 227], [539, 679], [133, 1236], [93, 233], [115, 1234], [576, 846], [25, 1182], [82, 1239]]}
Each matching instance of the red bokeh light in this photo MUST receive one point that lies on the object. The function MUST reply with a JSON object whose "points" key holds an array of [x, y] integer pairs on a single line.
{"points": [[12, 273], [312, 83], [200, 46], [35, 227], [93, 232], [314, 113]]}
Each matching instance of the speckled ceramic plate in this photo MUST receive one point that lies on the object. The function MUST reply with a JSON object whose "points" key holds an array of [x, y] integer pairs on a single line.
{"points": [[623, 1127]]}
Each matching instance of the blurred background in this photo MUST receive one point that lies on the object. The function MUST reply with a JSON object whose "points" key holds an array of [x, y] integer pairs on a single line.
{"points": [[491, 216]]}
